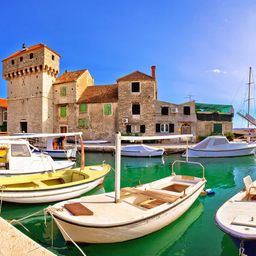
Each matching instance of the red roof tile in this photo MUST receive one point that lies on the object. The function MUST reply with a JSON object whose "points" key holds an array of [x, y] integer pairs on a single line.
{"points": [[3, 103], [69, 76], [29, 49], [100, 94], [136, 76]]}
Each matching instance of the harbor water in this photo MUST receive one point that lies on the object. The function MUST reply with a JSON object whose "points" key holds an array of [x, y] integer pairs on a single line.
{"points": [[194, 234]]}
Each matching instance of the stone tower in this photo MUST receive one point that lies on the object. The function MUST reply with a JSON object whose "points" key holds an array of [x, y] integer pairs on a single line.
{"points": [[30, 73]]}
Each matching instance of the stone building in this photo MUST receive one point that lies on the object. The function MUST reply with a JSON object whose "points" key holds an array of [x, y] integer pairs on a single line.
{"points": [[3, 115], [39, 101], [30, 73], [214, 119]]}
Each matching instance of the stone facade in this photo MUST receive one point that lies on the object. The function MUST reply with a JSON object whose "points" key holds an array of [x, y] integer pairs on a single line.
{"points": [[39, 101], [30, 74], [3, 115], [142, 97]]}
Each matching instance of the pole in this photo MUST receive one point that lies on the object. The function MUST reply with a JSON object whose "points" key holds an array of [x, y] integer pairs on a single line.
{"points": [[82, 152], [249, 94], [118, 167]]}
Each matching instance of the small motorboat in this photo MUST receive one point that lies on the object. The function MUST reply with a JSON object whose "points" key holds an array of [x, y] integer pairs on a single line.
{"points": [[141, 150], [17, 157], [95, 141], [52, 186], [237, 218], [140, 211], [219, 146]]}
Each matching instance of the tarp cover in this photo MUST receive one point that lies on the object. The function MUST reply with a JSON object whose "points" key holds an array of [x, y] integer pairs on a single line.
{"points": [[225, 109]]}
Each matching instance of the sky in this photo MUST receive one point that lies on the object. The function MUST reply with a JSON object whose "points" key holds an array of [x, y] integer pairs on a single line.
{"points": [[202, 48]]}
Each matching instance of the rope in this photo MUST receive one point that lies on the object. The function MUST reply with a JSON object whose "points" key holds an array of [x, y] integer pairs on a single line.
{"points": [[50, 210], [241, 249], [1, 200], [24, 218]]}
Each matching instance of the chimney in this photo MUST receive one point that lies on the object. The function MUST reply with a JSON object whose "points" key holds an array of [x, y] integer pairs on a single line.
{"points": [[153, 69]]}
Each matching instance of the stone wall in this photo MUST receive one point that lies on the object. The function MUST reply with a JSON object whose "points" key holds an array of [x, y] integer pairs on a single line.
{"points": [[145, 98], [100, 127], [206, 128]]}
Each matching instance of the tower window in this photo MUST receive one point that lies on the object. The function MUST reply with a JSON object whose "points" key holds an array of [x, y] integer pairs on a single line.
{"points": [[135, 87], [21, 59], [12, 61], [136, 109], [31, 55], [63, 91], [53, 57]]}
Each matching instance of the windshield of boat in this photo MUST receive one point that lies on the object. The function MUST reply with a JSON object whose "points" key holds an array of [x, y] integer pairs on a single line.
{"points": [[20, 150]]}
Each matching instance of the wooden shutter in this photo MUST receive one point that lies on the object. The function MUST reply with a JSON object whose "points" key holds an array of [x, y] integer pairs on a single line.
{"points": [[157, 127], [142, 128], [128, 128], [171, 128]]}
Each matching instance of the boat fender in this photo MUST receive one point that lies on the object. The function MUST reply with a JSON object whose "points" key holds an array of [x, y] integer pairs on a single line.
{"points": [[210, 192]]}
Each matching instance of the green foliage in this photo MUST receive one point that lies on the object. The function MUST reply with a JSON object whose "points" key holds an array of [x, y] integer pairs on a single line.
{"points": [[229, 135]]}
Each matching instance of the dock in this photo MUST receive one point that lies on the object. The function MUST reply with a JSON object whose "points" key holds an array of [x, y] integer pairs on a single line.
{"points": [[110, 147], [13, 242]]}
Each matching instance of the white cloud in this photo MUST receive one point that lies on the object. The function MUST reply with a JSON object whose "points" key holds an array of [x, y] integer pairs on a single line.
{"points": [[218, 71]]}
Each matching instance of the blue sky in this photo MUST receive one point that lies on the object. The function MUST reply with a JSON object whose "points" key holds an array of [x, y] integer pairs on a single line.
{"points": [[200, 47]]}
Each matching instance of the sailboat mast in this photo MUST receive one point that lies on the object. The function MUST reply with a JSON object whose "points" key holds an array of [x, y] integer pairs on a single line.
{"points": [[249, 93]]}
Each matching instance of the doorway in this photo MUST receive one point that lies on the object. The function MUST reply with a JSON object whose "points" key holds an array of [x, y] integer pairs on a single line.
{"points": [[24, 127], [63, 129]]}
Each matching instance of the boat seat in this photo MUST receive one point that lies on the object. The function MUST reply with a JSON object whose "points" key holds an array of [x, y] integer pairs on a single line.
{"points": [[152, 194], [78, 209], [152, 203], [250, 188]]}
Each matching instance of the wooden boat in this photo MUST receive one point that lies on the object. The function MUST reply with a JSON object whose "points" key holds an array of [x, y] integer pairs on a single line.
{"points": [[128, 213], [50, 187], [219, 146], [141, 150], [17, 157], [236, 217]]}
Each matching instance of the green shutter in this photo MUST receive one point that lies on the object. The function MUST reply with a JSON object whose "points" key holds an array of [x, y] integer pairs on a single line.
{"points": [[63, 111], [83, 123], [83, 108], [63, 91], [217, 128], [107, 109]]}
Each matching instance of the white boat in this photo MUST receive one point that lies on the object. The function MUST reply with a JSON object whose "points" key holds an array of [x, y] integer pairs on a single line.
{"points": [[95, 141], [219, 146], [237, 218], [128, 213], [141, 150], [17, 157]]}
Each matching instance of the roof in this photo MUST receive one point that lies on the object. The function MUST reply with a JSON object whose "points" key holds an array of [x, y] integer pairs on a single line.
{"points": [[214, 108], [69, 76], [100, 94], [29, 49], [3, 103], [136, 76]]}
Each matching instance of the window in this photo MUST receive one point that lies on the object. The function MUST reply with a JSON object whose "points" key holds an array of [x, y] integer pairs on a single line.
{"points": [[5, 116], [63, 111], [19, 150], [83, 123], [63, 91], [171, 128], [31, 55], [21, 59], [186, 110], [136, 109], [164, 128], [164, 111], [53, 57], [12, 61], [135, 87], [128, 128], [83, 108], [142, 128], [107, 109]]}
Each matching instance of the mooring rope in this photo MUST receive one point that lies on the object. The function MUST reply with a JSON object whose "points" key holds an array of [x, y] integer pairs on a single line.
{"points": [[50, 210], [1, 200]]}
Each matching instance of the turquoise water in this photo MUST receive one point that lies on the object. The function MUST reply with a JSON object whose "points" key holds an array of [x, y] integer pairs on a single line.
{"points": [[194, 234]]}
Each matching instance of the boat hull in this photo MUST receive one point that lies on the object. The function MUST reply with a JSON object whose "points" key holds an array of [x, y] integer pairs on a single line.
{"points": [[53, 195], [142, 154], [58, 153], [108, 234], [248, 245], [220, 153]]}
